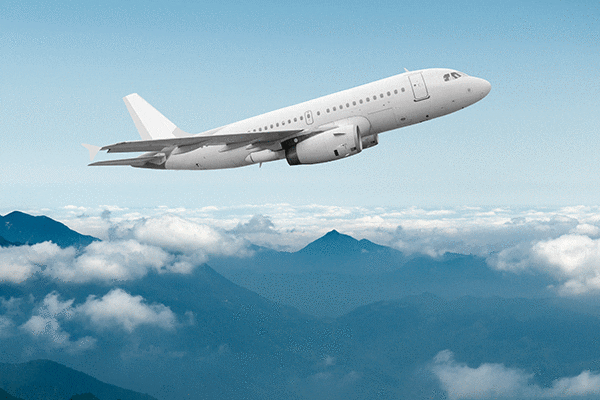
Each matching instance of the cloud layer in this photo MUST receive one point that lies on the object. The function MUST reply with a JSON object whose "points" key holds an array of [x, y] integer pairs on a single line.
{"points": [[562, 242], [493, 381]]}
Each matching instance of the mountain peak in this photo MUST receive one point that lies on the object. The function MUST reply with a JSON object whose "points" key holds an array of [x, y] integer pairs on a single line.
{"points": [[330, 244], [19, 227]]}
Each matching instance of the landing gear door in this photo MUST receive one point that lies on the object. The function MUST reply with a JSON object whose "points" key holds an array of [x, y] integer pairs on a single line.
{"points": [[419, 89]]}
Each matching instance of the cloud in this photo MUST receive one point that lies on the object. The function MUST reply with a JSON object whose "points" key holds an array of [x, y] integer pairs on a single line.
{"points": [[18, 263], [45, 325], [257, 224], [99, 261], [572, 259], [179, 235], [492, 381], [119, 308], [122, 260], [575, 259]]}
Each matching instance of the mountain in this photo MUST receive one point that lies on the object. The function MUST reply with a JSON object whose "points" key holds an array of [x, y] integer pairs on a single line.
{"points": [[4, 395], [48, 380], [6, 243], [542, 337], [225, 341], [337, 273], [18, 227]]}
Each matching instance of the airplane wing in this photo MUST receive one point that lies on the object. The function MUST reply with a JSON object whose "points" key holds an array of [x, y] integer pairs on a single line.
{"points": [[233, 140]]}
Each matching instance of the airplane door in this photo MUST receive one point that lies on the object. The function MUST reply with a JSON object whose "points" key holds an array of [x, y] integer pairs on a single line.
{"points": [[418, 87], [309, 118]]}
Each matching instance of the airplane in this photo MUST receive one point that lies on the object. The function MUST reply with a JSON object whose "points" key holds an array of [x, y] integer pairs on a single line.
{"points": [[325, 129]]}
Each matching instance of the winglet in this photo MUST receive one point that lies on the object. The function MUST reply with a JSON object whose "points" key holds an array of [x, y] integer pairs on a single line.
{"points": [[92, 149]]}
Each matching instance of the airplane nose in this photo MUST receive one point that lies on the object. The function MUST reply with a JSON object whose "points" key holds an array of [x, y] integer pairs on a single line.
{"points": [[483, 87]]}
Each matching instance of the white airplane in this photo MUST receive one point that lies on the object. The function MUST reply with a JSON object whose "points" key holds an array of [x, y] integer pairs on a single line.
{"points": [[325, 129]]}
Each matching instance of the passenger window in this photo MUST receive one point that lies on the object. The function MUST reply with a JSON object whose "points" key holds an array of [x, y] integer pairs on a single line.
{"points": [[389, 94], [295, 119], [328, 110], [360, 101], [353, 103], [368, 99], [381, 95], [334, 108], [301, 118], [318, 113], [374, 97], [395, 91], [271, 126], [403, 90], [347, 105]]}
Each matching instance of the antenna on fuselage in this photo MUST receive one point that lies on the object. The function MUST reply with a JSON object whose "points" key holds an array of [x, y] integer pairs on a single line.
{"points": [[406, 70]]}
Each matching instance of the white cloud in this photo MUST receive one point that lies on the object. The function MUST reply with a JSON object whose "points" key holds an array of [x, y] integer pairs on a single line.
{"points": [[492, 381], [45, 325], [181, 235], [104, 261], [121, 260], [122, 309], [574, 260], [18, 263]]}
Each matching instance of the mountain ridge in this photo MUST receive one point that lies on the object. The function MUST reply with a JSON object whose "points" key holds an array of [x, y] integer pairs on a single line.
{"points": [[20, 227], [49, 380]]}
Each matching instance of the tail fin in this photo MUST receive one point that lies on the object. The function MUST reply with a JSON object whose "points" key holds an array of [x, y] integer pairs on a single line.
{"points": [[150, 123]]}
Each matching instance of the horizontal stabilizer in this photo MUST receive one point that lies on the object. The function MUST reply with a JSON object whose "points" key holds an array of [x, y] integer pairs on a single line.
{"points": [[134, 162]]}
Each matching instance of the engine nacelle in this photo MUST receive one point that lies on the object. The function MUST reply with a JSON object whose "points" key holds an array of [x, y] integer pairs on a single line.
{"points": [[334, 144]]}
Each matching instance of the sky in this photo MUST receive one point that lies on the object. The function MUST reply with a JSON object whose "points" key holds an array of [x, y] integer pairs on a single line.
{"points": [[531, 142]]}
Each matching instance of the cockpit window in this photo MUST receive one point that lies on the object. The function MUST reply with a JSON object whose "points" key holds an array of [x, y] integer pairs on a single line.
{"points": [[451, 76]]}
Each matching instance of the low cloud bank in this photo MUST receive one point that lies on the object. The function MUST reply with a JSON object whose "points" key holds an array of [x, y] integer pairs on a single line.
{"points": [[493, 381], [562, 242]]}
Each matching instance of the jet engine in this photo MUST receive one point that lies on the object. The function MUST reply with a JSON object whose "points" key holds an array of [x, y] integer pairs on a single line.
{"points": [[330, 145]]}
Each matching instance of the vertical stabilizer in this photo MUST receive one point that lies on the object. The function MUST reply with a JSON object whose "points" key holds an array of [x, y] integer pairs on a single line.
{"points": [[150, 123]]}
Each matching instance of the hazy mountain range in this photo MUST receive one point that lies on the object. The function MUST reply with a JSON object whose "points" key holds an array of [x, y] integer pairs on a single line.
{"points": [[375, 323]]}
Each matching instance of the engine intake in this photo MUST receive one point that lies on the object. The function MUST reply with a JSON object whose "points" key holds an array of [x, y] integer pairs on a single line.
{"points": [[334, 144]]}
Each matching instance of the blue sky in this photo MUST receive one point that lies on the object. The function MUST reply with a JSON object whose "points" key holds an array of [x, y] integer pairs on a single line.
{"points": [[532, 141]]}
